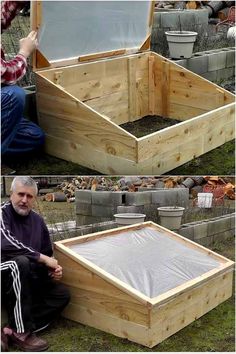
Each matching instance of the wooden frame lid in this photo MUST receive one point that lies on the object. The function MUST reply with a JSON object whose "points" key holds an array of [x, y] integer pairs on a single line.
{"points": [[72, 31]]}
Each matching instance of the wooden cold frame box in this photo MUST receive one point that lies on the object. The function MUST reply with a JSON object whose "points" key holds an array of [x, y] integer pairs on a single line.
{"points": [[83, 101], [101, 300]]}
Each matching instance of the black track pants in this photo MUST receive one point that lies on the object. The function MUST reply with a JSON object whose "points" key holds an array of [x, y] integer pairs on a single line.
{"points": [[31, 297]]}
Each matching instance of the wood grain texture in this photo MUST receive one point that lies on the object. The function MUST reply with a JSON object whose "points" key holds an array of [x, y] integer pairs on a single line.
{"points": [[60, 113]]}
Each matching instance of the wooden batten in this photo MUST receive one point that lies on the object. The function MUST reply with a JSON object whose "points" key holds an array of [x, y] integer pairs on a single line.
{"points": [[132, 67], [146, 44], [165, 88], [151, 84], [42, 62], [95, 56]]}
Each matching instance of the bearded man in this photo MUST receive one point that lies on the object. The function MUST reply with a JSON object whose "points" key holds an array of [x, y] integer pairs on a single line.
{"points": [[30, 277]]}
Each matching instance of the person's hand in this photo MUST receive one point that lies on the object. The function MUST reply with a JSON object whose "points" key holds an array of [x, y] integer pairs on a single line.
{"points": [[48, 261], [28, 44], [57, 273]]}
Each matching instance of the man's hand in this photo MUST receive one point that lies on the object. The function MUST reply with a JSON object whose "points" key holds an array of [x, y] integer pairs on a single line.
{"points": [[57, 273], [48, 261], [28, 44]]}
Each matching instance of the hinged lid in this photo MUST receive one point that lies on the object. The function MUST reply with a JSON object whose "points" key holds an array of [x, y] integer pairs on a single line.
{"points": [[72, 31]]}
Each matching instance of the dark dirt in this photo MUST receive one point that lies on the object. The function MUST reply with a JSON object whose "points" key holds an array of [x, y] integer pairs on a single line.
{"points": [[148, 125]]}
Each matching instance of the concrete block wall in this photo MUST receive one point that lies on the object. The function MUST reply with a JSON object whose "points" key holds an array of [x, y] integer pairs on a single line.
{"points": [[214, 65], [206, 232], [67, 231], [95, 206]]}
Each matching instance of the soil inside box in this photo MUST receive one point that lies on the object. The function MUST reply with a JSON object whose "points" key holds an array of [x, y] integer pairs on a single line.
{"points": [[148, 125], [148, 260]]}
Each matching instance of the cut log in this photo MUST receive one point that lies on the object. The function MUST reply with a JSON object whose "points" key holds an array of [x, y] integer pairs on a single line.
{"points": [[55, 197], [59, 197], [48, 197], [45, 190], [192, 5]]}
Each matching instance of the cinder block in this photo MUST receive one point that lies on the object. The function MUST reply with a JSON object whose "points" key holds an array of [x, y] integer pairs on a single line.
{"points": [[83, 208], [130, 209], [197, 64], [170, 20], [216, 61], [108, 198], [210, 75], [218, 225], [138, 198], [206, 241], [103, 211], [84, 230], [224, 74], [230, 59], [182, 62], [83, 196], [171, 196], [105, 225], [87, 219], [187, 231], [232, 221], [200, 231], [222, 236]]}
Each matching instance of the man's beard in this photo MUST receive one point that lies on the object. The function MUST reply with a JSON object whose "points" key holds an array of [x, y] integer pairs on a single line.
{"points": [[21, 211]]}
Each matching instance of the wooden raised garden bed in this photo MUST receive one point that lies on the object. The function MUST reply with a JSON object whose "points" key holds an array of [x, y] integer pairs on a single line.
{"points": [[141, 282], [83, 98]]}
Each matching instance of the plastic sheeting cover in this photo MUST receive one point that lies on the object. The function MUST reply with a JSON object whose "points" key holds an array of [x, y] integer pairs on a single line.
{"points": [[73, 28], [147, 259]]}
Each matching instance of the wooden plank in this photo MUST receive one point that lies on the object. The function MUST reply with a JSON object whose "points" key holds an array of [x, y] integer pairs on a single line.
{"points": [[182, 112], [188, 89], [132, 87], [94, 56], [137, 313], [146, 44], [105, 105], [175, 138], [88, 157], [220, 283], [151, 88], [191, 284], [60, 112], [110, 324], [185, 308], [165, 88]]}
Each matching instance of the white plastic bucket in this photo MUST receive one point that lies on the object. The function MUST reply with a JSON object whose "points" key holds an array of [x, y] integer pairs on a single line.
{"points": [[204, 200], [129, 218]]}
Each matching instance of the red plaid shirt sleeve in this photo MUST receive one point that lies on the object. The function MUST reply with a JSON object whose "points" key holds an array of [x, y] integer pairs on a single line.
{"points": [[11, 70]]}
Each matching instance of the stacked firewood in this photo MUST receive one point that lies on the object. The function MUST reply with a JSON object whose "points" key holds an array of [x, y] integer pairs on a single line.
{"points": [[223, 187]]}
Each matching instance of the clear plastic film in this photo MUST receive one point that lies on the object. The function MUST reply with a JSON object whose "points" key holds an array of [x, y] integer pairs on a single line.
{"points": [[74, 28], [147, 259]]}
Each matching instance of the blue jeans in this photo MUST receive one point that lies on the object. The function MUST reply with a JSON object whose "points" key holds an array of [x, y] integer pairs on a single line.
{"points": [[18, 135]]}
